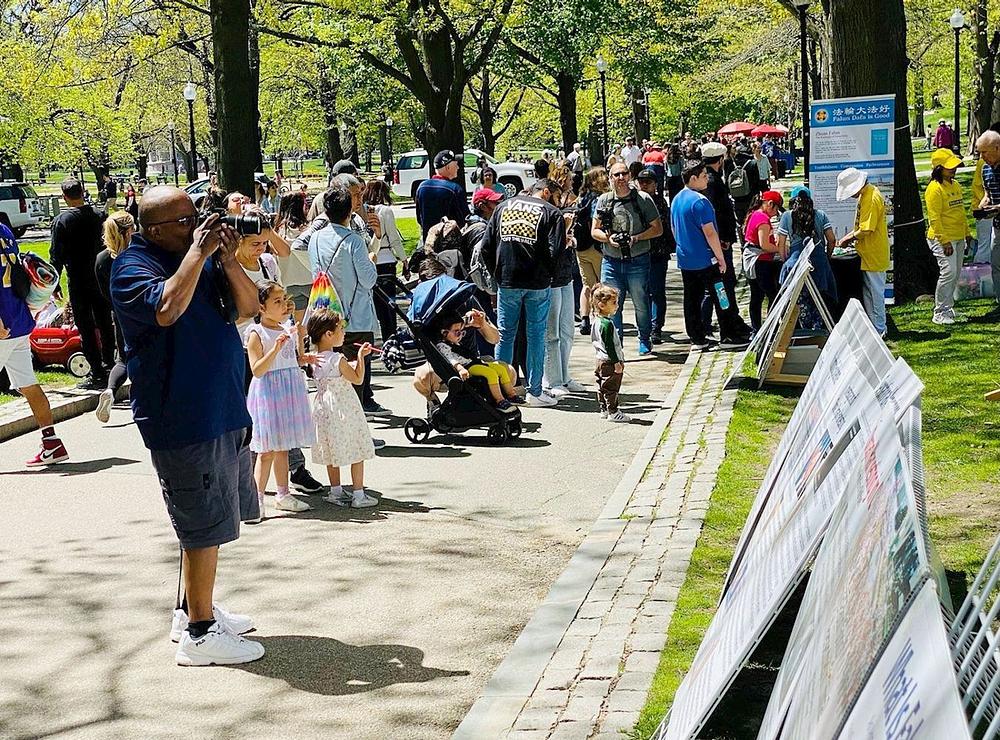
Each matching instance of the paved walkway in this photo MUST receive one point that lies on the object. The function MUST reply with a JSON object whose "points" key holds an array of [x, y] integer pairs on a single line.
{"points": [[583, 665], [386, 622]]}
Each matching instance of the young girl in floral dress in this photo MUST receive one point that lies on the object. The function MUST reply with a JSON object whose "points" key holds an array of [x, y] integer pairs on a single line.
{"points": [[342, 436]]}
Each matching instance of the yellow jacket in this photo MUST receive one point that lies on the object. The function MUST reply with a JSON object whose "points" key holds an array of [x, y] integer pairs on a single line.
{"points": [[871, 230], [945, 212], [978, 188]]}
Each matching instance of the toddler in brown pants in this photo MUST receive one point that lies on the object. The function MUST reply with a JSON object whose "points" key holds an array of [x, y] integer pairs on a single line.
{"points": [[610, 365]]}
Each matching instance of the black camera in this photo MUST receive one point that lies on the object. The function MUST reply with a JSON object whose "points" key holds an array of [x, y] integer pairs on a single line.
{"points": [[245, 224], [624, 243]]}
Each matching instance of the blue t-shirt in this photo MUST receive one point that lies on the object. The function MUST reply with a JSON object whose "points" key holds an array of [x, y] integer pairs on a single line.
{"points": [[187, 379], [689, 212], [14, 312]]}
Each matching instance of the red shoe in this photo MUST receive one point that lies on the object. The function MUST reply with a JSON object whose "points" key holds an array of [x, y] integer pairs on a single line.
{"points": [[49, 455]]}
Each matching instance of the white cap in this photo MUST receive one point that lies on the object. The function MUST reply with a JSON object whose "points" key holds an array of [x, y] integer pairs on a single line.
{"points": [[850, 182], [713, 149]]}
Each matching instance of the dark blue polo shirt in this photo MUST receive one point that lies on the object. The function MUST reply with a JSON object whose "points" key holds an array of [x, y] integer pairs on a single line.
{"points": [[438, 198], [187, 379]]}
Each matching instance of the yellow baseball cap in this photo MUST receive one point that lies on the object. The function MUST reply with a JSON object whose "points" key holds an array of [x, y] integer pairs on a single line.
{"points": [[945, 158]]}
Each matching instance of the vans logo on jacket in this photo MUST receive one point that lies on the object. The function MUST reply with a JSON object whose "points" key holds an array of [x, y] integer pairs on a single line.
{"points": [[520, 221]]}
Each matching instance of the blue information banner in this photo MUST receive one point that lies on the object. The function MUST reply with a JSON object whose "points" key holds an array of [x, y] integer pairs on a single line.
{"points": [[852, 132]]}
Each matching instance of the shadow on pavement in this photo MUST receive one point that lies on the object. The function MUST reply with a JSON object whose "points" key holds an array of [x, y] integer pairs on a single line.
{"points": [[322, 665], [421, 450], [76, 468], [327, 512]]}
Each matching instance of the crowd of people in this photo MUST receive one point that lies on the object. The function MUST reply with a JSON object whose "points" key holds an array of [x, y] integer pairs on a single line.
{"points": [[211, 320]]}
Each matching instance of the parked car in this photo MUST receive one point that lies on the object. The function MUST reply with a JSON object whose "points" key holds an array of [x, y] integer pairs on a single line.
{"points": [[19, 202], [411, 170], [197, 189]]}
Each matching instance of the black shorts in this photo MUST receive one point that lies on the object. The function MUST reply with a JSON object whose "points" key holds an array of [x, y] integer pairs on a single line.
{"points": [[208, 488]]}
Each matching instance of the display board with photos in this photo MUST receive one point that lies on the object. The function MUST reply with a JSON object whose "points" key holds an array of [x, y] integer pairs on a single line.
{"points": [[870, 566], [844, 494]]}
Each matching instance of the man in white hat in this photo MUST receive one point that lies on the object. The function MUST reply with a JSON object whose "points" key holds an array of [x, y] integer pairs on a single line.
{"points": [[872, 234]]}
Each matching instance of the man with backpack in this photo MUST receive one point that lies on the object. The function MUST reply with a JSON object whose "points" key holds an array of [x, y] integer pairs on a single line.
{"points": [[660, 250], [717, 192], [625, 221], [744, 183]]}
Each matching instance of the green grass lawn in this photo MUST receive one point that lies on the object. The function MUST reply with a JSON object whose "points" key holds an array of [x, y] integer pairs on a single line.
{"points": [[961, 438]]}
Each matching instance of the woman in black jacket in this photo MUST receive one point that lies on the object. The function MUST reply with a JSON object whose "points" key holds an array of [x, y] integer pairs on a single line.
{"points": [[118, 230]]}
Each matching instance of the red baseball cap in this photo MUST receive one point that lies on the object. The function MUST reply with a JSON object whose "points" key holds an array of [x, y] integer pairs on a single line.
{"points": [[485, 194], [774, 196]]}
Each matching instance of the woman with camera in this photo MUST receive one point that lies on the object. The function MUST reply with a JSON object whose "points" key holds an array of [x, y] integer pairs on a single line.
{"points": [[377, 199]]}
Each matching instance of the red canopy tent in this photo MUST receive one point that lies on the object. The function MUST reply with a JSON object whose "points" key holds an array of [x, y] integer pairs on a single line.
{"points": [[766, 129], [736, 127]]}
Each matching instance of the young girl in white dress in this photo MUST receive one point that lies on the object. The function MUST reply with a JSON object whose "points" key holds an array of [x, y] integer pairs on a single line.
{"points": [[277, 400], [342, 436]]}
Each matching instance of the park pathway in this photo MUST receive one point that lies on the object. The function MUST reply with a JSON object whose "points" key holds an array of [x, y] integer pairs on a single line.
{"points": [[385, 622], [583, 666]]}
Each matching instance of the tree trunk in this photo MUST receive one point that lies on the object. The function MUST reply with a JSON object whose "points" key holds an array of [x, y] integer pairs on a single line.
{"points": [[815, 70], [986, 61], [239, 147], [869, 58], [487, 119], [349, 139], [919, 129], [595, 137], [383, 146], [640, 115], [328, 101], [566, 85], [254, 103]]}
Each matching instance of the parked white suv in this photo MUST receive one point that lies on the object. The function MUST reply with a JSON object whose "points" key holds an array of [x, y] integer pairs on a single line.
{"points": [[412, 169], [19, 203]]}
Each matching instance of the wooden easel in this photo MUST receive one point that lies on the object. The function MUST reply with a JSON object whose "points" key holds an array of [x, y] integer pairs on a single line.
{"points": [[791, 359]]}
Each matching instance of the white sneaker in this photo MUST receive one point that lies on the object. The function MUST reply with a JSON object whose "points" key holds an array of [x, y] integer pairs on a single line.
{"points": [[290, 503], [604, 413], [943, 319], [542, 399], [618, 416], [361, 500], [218, 646], [235, 623], [557, 392], [104, 403], [338, 499], [575, 387]]}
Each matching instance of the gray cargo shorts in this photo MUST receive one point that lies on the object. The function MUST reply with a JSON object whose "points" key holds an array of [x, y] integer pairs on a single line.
{"points": [[208, 488]]}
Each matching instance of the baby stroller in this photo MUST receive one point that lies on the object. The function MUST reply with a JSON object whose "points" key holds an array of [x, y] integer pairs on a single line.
{"points": [[466, 406]]}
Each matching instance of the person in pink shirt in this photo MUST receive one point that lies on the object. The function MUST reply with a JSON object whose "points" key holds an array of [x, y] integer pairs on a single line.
{"points": [[760, 253]]}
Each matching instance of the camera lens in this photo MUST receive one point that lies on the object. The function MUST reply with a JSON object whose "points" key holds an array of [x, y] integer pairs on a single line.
{"points": [[245, 225]]}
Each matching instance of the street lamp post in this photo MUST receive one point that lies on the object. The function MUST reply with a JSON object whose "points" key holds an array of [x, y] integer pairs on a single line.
{"points": [[602, 69], [957, 23], [388, 146], [173, 150], [802, 6], [190, 93]]}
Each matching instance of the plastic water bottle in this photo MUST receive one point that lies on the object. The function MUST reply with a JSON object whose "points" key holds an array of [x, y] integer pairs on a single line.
{"points": [[720, 291]]}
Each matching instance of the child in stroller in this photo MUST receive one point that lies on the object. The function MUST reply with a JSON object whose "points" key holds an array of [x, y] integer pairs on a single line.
{"points": [[467, 364], [466, 406]]}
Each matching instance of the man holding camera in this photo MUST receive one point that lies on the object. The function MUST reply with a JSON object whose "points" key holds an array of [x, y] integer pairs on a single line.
{"points": [[177, 291], [625, 222]]}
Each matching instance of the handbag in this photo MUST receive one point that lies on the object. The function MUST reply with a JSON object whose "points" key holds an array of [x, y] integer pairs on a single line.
{"points": [[20, 280], [322, 294]]}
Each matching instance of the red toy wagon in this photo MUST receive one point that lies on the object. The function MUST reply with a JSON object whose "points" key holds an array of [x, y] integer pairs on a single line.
{"points": [[56, 341]]}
